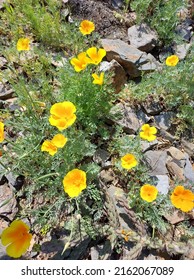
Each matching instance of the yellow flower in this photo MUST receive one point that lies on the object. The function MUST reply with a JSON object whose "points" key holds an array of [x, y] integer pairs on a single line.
{"points": [[74, 182], [59, 140], [98, 80], [148, 193], [80, 62], [148, 132], [62, 115], [86, 27], [49, 147], [172, 60], [95, 55], [128, 161], [2, 137], [17, 237], [182, 199], [23, 44]]}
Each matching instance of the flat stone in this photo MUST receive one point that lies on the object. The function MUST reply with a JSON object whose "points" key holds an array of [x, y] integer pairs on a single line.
{"points": [[5, 92], [188, 170], [8, 204], [131, 59], [125, 117], [188, 147], [176, 153], [182, 50], [101, 156], [142, 37], [175, 217], [164, 119], [145, 145], [107, 176], [163, 183], [3, 61], [119, 77], [157, 162], [152, 108], [175, 170]]}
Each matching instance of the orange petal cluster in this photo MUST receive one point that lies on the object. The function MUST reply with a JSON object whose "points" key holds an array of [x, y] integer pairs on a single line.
{"points": [[23, 44], [2, 136], [17, 237], [148, 192], [172, 60], [62, 115], [74, 182], [148, 132], [51, 146], [182, 199], [86, 27], [128, 161]]}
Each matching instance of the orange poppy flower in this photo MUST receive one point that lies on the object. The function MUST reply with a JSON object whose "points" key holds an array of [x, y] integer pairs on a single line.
{"points": [[172, 60], [62, 115], [80, 63], [182, 199], [95, 55], [48, 146], [23, 44], [2, 136], [128, 161], [86, 27], [17, 237], [74, 182], [98, 80], [148, 132], [148, 193]]}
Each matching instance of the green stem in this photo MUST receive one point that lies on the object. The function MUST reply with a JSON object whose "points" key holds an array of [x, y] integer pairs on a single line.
{"points": [[47, 175], [2, 164]]}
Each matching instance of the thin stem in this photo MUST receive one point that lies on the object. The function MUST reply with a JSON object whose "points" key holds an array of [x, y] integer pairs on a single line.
{"points": [[47, 175]]}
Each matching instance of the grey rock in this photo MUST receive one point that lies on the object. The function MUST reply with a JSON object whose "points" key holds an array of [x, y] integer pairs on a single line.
{"points": [[150, 64], [8, 204], [157, 162], [132, 59], [188, 170], [184, 30], [175, 170], [119, 77], [142, 117], [176, 153], [189, 147], [142, 37], [145, 146], [117, 4], [101, 157], [3, 61], [182, 50], [152, 108], [125, 117], [107, 176], [5, 92], [163, 183], [164, 119], [124, 220]]}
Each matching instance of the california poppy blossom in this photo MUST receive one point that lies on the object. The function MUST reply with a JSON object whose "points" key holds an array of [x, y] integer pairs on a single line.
{"points": [[59, 140], [86, 27], [148, 193], [182, 199], [172, 60], [62, 115], [74, 182], [95, 55], [128, 161], [98, 79], [80, 63], [17, 237], [148, 132], [23, 44], [2, 137], [48, 146]]}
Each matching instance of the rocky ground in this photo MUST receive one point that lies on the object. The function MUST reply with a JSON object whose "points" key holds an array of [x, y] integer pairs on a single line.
{"points": [[130, 49]]}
